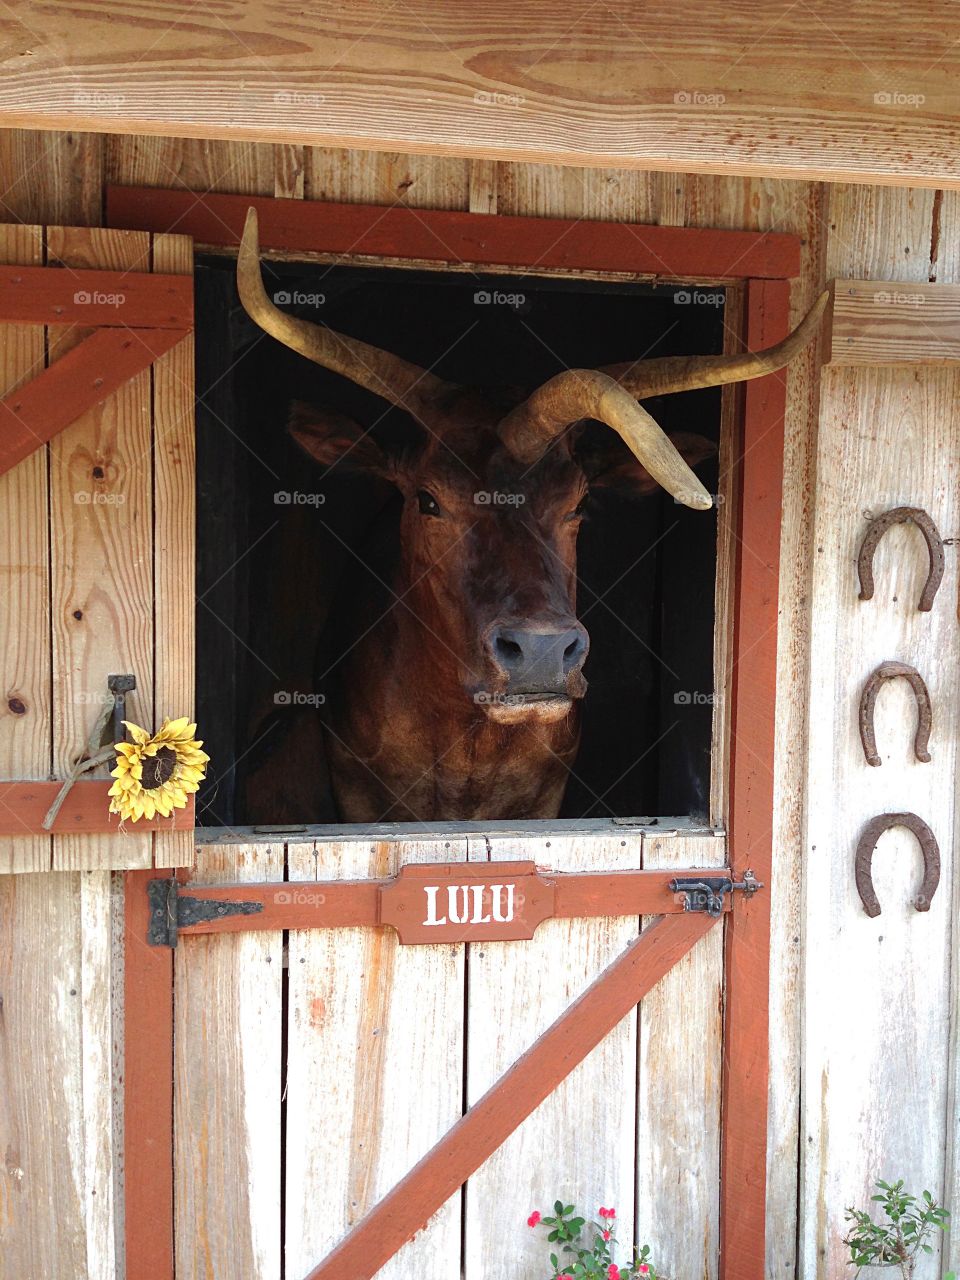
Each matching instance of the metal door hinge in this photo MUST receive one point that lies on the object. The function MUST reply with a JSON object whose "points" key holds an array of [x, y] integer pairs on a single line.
{"points": [[171, 910], [707, 894]]}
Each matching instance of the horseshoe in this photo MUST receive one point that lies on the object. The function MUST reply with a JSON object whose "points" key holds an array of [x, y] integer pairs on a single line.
{"points": [[928, 846], [900, 515], [868, 700]]}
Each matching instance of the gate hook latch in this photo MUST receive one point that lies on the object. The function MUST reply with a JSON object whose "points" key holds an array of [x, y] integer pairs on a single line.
{"points": [[706, 894]]}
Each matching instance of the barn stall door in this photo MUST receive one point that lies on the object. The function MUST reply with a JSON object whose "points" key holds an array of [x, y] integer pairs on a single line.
{"points": [[307, 1085], [96, 525]]}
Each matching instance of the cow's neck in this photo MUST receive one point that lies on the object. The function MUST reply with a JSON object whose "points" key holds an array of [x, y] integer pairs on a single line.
{"points": [[406, 742]]}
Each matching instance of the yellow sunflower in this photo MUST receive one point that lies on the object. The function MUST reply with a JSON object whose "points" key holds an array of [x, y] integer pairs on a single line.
{"points": [[154, 775]]}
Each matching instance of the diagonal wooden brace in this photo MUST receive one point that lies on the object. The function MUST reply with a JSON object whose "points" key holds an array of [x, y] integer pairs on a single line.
{"points": [[505, 1106], [86, 376]]}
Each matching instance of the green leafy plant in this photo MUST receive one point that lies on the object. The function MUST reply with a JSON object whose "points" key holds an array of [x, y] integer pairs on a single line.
{"points": [[898, 1241], [588, 1247]]}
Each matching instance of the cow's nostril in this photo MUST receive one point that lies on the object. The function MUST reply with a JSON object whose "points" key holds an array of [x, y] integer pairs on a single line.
{"points": [[508, 651]]}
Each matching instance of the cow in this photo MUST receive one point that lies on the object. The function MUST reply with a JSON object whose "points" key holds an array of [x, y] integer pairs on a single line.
{"points": [[459, 689]]}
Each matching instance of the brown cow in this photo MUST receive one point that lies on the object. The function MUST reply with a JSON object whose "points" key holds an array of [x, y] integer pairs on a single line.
{"points": [[458, 693]]}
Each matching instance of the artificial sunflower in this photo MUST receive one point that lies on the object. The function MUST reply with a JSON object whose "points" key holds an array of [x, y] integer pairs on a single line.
{"points": [[154, 775]]}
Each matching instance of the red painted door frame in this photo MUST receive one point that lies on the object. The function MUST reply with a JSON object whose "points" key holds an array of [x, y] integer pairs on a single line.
{"points": [[764, 264]]}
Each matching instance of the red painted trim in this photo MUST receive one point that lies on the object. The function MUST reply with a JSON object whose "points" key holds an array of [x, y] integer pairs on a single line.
{"points": [[434, 235], [147, 1091], [746, 1032], [504, 1107], [113, 299], [24, 805], [351, 904], [86, 376]]}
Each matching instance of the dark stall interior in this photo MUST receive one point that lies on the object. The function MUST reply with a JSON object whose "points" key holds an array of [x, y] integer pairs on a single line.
{"points": [[280, 540]]}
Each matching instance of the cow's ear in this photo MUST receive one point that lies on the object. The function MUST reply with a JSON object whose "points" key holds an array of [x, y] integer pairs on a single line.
{"points": [[611, 465], [331, 437]]}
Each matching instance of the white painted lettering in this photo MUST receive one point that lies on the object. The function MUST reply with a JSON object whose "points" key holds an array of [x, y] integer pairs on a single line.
{"points": [[478, 917], [501, 916], [431, 890]]}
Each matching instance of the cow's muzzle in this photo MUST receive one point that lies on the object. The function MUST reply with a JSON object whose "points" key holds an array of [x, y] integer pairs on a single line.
{"points": [[539, 662]]}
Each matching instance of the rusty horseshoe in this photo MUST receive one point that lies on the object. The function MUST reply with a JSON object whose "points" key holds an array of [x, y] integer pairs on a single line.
{"points": [[928, 846], [900, 515], [868, 700]]}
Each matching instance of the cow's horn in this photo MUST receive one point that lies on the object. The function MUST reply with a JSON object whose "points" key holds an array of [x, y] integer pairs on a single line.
{"points": [[387, 375], [667, 374], [529, 429]]}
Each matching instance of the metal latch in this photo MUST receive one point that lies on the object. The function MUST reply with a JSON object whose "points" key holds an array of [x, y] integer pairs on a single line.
{"points": [[171, 910], [707, 894]]}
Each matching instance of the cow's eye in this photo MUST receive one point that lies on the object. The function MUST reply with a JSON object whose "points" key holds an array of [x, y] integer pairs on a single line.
{"points": [[428, 503]]}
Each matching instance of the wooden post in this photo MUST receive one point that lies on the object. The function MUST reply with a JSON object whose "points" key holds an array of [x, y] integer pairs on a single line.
{"points": [[746, 1065]]}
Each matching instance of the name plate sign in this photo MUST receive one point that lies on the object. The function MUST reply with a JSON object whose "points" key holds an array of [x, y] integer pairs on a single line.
{"points": [[464, 902]]}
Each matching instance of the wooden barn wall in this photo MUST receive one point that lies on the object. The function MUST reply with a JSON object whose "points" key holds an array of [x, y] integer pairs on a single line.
{"points": [[57, 1216]]}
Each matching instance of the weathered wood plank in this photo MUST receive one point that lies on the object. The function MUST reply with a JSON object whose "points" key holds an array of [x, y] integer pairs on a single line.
{"points": [[228, 1072], [57, 1176], [174, 532], [759, 205], [878, 991], [193, 164], [374, 1066], [680, 1045], [684, 89], [386, 177], [946, 258], [24, 580], [893, 323], [51, 178], [571, 1037], [101, 514], [572, 1147]]}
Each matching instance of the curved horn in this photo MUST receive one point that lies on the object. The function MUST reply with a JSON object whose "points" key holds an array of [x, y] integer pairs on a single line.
{"points": [[387, 375], [530, 429], [667, 374]]}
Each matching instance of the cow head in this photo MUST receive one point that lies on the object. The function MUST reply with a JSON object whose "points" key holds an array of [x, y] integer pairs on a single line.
{"points": [[493, 493]]}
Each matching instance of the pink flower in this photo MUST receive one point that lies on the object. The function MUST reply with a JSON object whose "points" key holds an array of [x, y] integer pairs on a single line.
{"points": [[607, 1213], [643, 1268], [613, 1272], [534, 1218], [606, 1235]]}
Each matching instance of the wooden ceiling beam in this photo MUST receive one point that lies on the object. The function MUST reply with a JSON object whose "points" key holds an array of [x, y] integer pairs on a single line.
{"points": [[860, 93]]}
